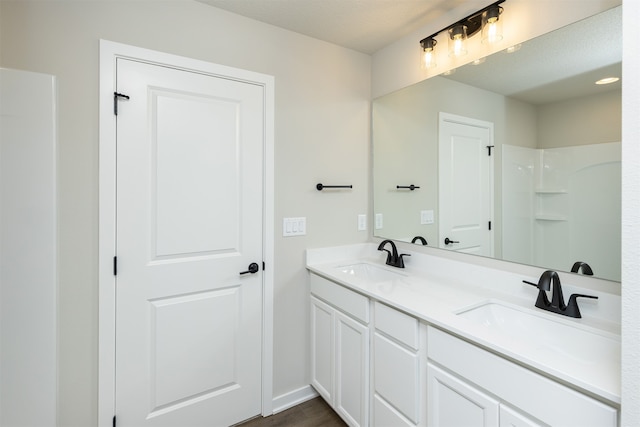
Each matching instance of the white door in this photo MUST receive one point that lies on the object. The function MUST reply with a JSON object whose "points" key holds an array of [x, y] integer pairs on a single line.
{"points": [[189, 221], [465, 177]]}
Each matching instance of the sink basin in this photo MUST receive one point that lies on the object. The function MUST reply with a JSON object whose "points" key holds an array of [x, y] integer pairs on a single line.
{"points": [[558, 336], [369, 272]]}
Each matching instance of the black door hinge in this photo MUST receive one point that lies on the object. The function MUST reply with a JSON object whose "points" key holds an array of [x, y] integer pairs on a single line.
{"points": [[489, 225], [115, 265], [114, 421], [489, 147], [117, 95], [263, 265]]}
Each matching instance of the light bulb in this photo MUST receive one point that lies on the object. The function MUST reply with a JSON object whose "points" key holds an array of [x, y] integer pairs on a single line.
{"points": [[492, 25], [457, 40], [428, 57]]}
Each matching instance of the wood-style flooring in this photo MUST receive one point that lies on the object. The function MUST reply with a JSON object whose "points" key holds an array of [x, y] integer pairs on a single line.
{"points": [[312, 413]]}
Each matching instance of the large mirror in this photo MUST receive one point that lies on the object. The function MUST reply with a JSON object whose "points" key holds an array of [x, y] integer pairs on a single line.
{"points": [[516, 158]]}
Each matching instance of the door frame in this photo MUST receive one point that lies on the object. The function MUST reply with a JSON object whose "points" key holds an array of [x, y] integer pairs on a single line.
{"points": [[109, 52]]}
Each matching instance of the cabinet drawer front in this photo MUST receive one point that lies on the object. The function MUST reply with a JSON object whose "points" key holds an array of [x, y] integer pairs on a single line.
{"points": [[558, 404], [397, 376], [396, 324], [350, 302]]}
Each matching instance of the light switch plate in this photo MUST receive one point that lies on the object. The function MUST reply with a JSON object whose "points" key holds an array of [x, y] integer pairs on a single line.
{"points": [[362, 222], [379, 221], [426, 217], [294, 226]]}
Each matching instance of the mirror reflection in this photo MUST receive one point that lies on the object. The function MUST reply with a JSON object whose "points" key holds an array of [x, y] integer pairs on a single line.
{"points": [[517, 157]]}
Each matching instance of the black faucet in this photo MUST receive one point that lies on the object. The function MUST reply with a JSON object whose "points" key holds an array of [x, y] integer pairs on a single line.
{"points": [[393, 259], [557, 304], [586, 268], [420, 239]]}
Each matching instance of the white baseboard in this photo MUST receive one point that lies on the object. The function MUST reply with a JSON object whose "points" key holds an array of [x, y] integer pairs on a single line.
{"points": [[293, 398]]}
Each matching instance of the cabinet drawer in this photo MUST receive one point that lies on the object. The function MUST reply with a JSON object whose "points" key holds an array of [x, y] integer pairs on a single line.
{"points": [[396, 324], [397, 376], [512, 383], [350, 302]]}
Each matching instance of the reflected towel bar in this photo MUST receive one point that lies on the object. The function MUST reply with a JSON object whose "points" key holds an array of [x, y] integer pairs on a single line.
{"points": [[320, 187], [410, 187]]}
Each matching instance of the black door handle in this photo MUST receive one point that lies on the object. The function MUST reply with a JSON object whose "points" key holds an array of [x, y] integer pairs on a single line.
{"points": [[448, 241], [253, 268]]}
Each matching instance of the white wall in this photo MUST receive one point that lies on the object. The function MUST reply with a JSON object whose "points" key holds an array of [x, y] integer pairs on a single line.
{"points": [[321, 135], [28, 282], [630, 217], [591, 119]]}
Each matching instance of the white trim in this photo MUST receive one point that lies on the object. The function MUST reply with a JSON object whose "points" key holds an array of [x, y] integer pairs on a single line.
{"points": [[109, 52], [293, 398]]}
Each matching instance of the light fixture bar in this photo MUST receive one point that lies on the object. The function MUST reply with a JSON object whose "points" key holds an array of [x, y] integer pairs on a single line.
{"points": [[473, 23]]}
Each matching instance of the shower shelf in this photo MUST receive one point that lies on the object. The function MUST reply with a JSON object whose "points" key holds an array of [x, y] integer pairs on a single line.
{"points": [[547, 217], [550, 191]]}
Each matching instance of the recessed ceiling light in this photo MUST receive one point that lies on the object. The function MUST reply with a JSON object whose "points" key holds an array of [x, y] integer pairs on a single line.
{"points": [[607, 80], [479, 61], [449, 72]]}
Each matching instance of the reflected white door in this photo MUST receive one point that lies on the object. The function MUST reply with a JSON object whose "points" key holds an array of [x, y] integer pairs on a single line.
{"points": [[189, 220], [465, 195]]}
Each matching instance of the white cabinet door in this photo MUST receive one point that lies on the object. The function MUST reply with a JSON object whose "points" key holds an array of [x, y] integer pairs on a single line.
{"points": [[454, 403], [352, 370], [322, 348]]}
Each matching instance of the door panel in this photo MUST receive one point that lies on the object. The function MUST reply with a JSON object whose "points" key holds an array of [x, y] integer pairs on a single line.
{"points": [[189, 219], [187, 140], [177, 373], [465, 180]]}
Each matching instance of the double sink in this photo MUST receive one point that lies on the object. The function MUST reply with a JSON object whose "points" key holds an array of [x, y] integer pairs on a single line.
{"points": [[549, 332]]}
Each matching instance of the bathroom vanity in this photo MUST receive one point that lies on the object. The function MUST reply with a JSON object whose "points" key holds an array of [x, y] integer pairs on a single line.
{"points": [[447, 343]]}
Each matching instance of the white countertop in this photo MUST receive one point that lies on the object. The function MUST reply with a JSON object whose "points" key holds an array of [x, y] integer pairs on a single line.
{"points": [[435, 290]]}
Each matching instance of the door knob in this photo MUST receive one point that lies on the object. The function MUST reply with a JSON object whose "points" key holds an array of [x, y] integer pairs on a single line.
{"points": [[253, 268], [448, 241]]}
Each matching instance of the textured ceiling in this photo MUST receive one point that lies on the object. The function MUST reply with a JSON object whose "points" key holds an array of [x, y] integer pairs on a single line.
{"points": [[362, 25]]}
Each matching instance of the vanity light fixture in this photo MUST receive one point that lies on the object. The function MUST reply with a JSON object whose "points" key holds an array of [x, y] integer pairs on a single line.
{"points": [[487, 19]]}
